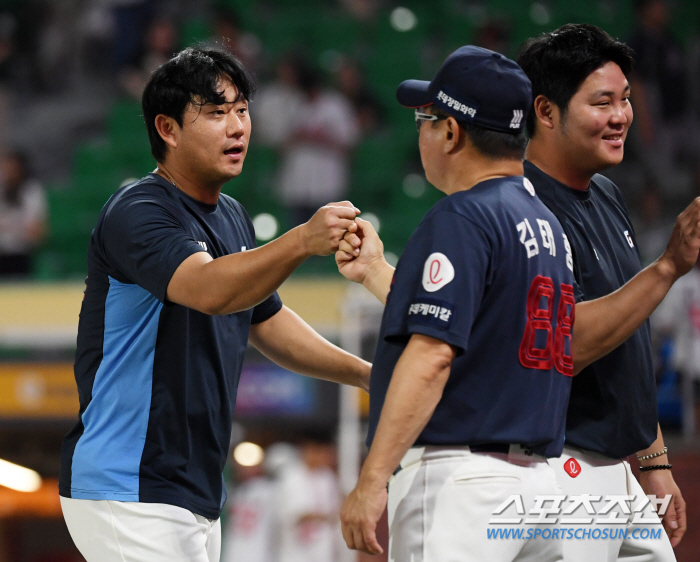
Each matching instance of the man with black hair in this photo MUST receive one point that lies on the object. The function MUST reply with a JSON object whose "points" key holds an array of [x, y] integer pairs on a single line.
{"points": [[175, 288], [578, 126], [473, 365]]}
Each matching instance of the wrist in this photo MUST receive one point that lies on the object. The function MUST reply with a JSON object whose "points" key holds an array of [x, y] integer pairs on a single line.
{"points": [[364, 375], [373, 270], [666, 269], [372, 479], [302, 240]]}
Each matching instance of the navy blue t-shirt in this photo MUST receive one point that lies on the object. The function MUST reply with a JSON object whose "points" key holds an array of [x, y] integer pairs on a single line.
{"points": [[612, 409], [157, 381], [487, 271]]}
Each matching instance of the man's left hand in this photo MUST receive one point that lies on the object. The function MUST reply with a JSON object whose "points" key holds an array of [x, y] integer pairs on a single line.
{"points": [[660, 483]]}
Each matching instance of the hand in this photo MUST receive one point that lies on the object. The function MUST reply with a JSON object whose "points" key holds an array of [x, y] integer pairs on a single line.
{"points": [[359, 515], [359, 252], [324, 231], [660, 483], [682, 250]]}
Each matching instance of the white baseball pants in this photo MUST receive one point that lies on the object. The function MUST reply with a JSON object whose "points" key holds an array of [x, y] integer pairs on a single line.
{"points": [[603, 476], [113, 531], [442, 499]]}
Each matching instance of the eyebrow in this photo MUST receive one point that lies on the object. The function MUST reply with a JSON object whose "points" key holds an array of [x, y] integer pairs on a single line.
{"points": [[227, 102], [610, 93]]}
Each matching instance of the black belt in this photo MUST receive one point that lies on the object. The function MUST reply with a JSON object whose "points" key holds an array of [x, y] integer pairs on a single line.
{"points": [[485, 448], [490, 448]]}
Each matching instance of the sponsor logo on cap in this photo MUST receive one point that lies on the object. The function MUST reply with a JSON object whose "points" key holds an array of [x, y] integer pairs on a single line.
{"points": [[454, 104], [517, 118]]}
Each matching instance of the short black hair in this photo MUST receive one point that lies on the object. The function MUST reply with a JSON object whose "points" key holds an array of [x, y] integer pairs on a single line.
{"points": [[492, 144], [558, 62], [192, 76]]}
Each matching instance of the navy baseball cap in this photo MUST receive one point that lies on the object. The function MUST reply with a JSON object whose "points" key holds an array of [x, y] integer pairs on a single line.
{"points": [[476, 86]]}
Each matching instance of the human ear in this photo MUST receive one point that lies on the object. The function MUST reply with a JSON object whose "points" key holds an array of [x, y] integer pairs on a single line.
{"points": [[453, 135], [168, 129], [545, 112]]}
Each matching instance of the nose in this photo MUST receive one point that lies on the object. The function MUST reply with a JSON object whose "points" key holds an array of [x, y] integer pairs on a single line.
{"points": [[619, 115], [235, 125]]}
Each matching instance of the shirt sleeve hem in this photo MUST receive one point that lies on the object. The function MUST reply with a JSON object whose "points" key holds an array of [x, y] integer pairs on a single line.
{"points": [[449, 338], [171, 268], [274, 309]]}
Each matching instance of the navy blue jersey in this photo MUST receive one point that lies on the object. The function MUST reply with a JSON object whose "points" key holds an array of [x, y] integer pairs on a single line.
{"points": [[487, 271], [612, 409], [157, 381]]}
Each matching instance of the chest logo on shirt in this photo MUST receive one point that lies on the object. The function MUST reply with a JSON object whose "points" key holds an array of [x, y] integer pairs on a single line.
{"points": [[437, 272], [203, 245], [572, 467], [629, 238]]}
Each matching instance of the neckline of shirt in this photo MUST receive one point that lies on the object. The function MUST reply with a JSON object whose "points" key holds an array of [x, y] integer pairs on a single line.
{"points": [[205, 207], [581, 195]]}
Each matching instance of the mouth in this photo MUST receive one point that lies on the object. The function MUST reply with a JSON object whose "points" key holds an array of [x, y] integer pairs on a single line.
{"points": [[235, 153], [615, 140]]}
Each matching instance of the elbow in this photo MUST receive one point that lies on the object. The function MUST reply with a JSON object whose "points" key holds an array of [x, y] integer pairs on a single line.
{"points": [[212, 306], [439, 367]]}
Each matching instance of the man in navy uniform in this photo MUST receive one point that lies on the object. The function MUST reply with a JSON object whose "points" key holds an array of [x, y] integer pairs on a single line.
{"points": [[473, 366], [578, 126], [175, 288]]}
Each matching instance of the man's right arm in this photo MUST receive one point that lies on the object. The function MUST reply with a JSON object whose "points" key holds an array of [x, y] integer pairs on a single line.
{"points": [[240, 281], [603, 324]]}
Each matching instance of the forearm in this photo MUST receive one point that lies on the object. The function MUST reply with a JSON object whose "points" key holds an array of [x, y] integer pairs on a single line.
{"points": [[378, 278], [655, 447], [603, 324], [291, 343], [237, 281], [416, 388]]}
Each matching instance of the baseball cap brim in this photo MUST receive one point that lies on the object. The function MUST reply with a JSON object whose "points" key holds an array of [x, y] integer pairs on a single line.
{"points": [[414, 93]]}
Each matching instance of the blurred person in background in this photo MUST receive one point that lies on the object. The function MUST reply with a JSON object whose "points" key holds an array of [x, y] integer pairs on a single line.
{"points": [[160, 45], [249, 534], [229, 33], [352, 83], [495, 35], [652, 225], [276, 106], [23, 214], [316, 153], [131, 19], [666, 131], [678, 316], [307, 502]]}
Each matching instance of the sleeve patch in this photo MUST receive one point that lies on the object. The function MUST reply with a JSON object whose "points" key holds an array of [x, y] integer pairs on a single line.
{"points": [[437, 272], [431, 312]]}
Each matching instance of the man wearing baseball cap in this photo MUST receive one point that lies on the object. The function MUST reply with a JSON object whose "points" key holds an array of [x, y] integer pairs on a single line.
{"points": [[472, 373]]}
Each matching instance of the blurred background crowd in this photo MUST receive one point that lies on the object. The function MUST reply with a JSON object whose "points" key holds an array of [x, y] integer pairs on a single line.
{"points": [[326, 127]]}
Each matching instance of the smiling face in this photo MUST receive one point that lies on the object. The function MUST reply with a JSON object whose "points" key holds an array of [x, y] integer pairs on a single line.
{"points": [[213, 140], [594, 128]]}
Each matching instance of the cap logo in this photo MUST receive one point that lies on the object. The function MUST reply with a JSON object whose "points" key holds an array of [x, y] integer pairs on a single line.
{"points": [[454, 104], [517, 118]]}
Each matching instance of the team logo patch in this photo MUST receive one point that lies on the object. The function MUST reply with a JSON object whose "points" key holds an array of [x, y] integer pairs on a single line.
{"points": [[572, 467], [432, 312], [528, 185], [437, 272]]}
